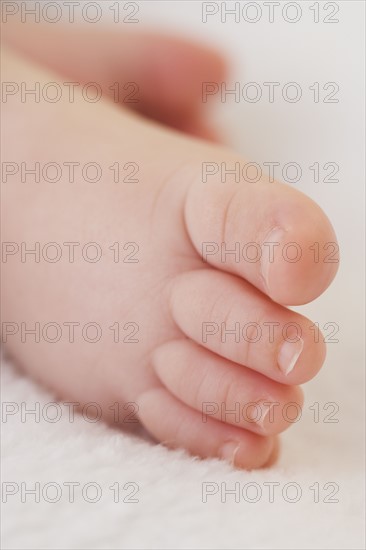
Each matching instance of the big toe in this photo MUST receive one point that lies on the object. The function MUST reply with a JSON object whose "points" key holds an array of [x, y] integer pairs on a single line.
{"points": [[274, 236]]}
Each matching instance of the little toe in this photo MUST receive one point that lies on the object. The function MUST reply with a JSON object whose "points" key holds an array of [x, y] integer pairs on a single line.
{"points": [[178, 426]]}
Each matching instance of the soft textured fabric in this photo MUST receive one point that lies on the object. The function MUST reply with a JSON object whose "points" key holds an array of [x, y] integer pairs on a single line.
{"points": [[171, 512]]}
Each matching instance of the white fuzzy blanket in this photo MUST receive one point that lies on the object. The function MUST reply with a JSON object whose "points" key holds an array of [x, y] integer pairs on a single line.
{"points": [[317, 499]]}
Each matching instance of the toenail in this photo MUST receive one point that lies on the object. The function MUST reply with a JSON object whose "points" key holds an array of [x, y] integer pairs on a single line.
{"points": [[265, 408], [228, 451], [289, 354], [269, 246], [258, 413]]}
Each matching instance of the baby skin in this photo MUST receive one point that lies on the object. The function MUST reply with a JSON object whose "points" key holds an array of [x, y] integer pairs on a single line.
{"points": [[178, 329]]}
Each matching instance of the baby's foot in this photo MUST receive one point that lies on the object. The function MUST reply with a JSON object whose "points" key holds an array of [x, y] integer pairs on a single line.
{"points": [[200, 334]]}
